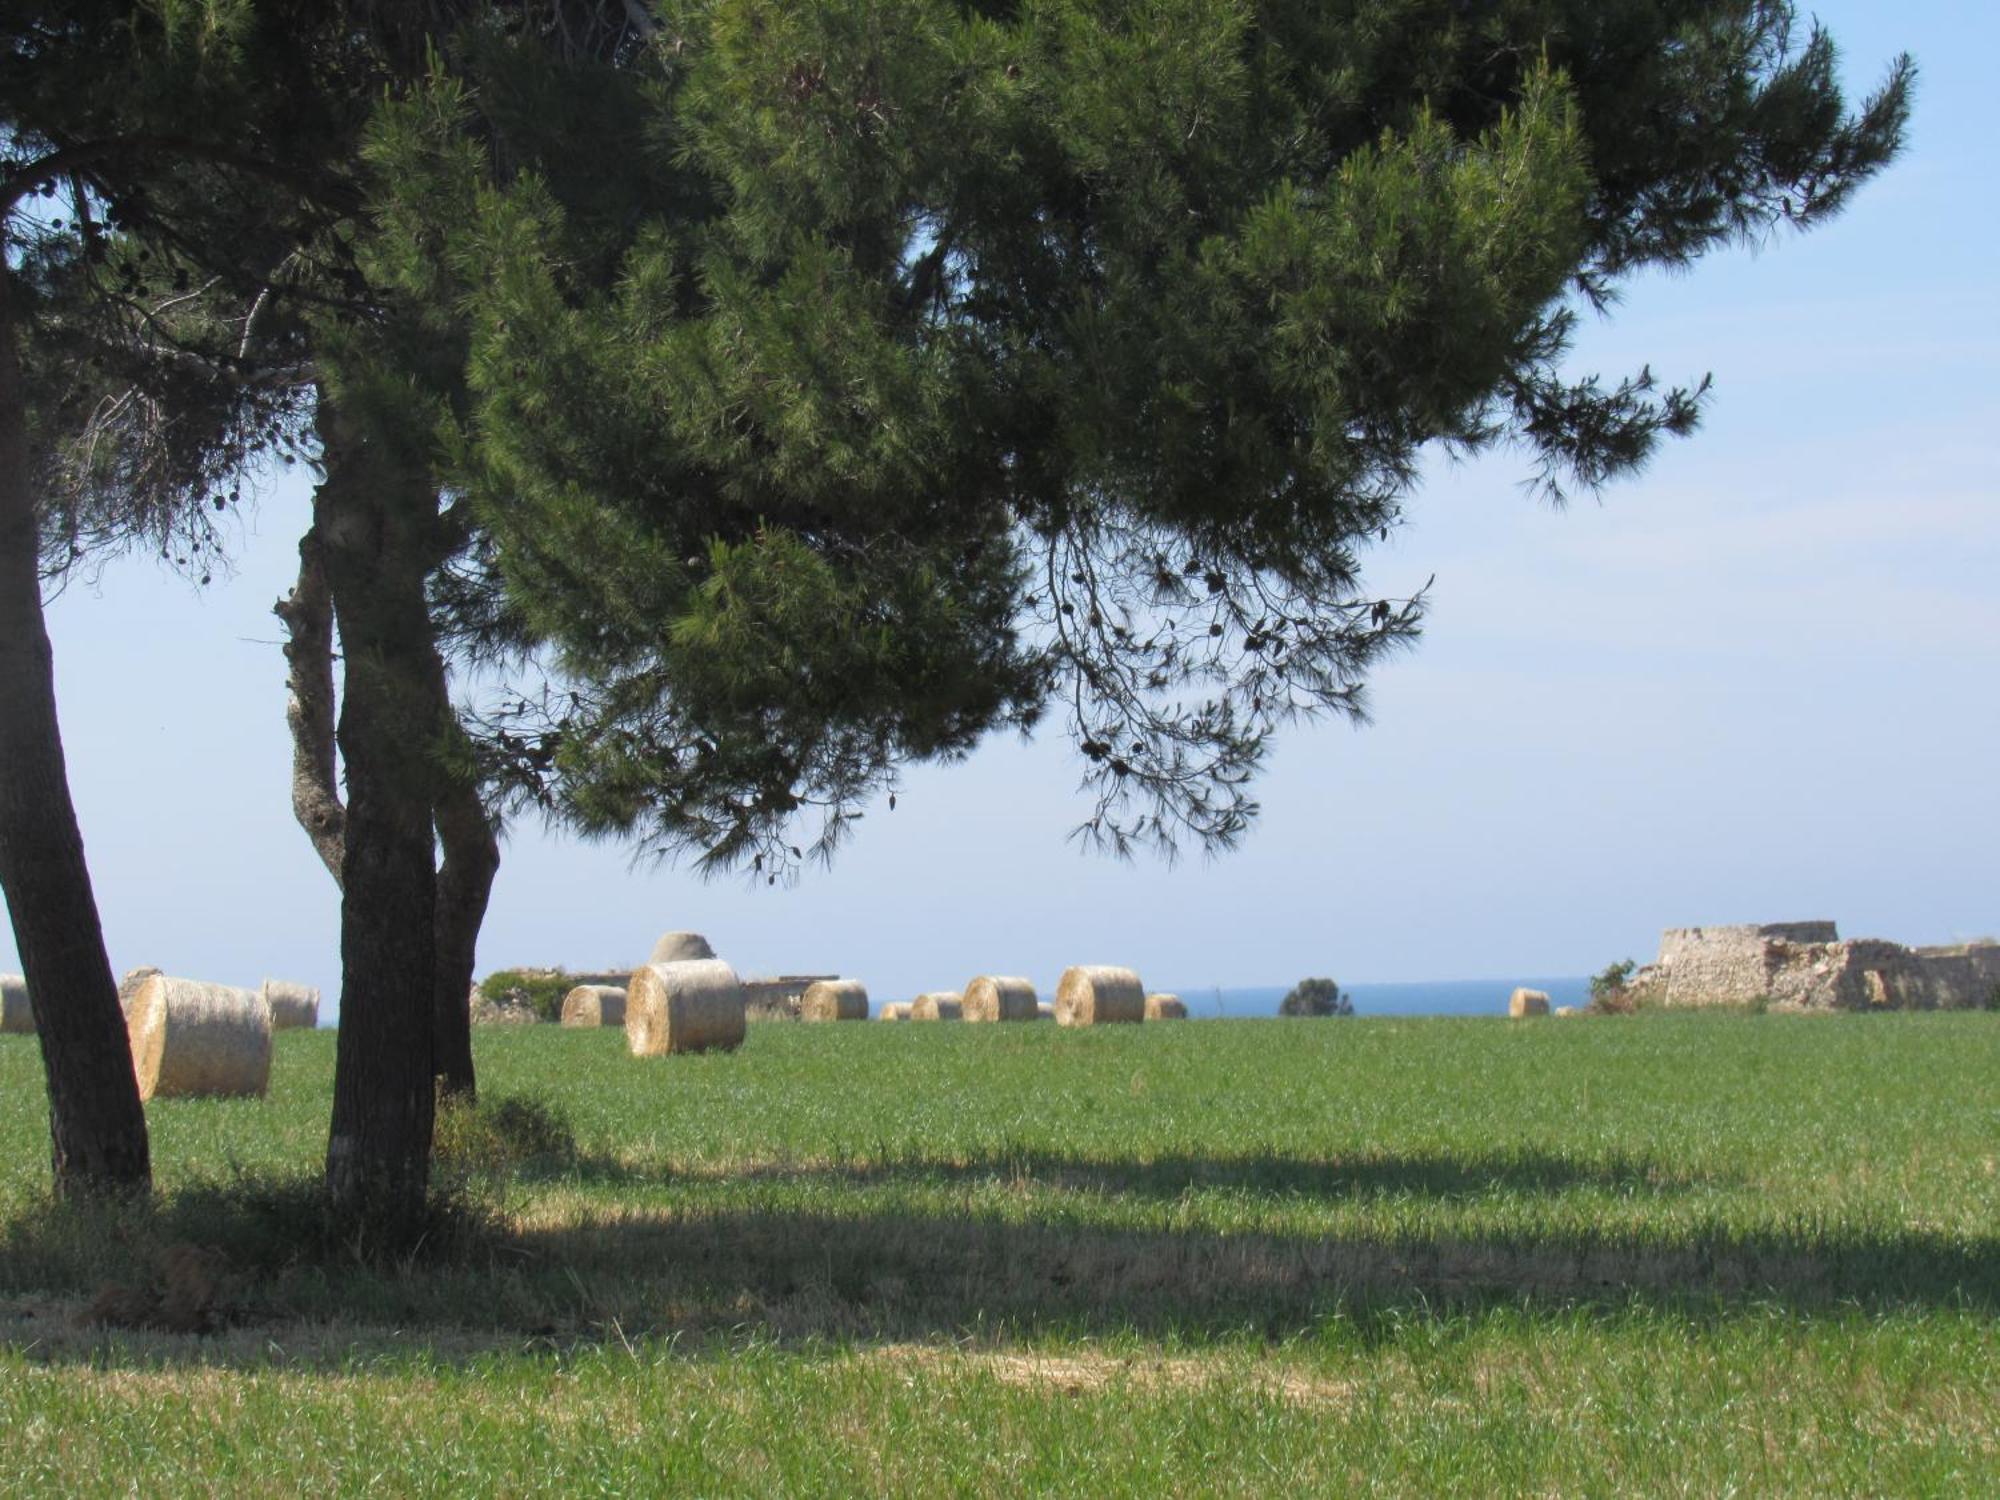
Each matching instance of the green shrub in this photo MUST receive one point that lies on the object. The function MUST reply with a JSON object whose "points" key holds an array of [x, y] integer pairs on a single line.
{"points": [[1609, 993], [1316, 997], [541, 990], [500, 1135]]}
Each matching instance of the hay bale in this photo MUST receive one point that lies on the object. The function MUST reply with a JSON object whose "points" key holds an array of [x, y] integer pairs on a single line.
{"points": [[129, 985], [834, 1000], [594, 1005], [690, 1006], [292, 1005], [1099, 995], [1165, 1008], [680, 948], [193, 1039], [1045, 1011], [992, 997], [1527, 1003], [1568, 1010], [16, 1014], [938, 1005], [900, 1011]]}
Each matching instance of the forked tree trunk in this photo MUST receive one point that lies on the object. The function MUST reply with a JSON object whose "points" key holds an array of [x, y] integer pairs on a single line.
{"points": [[465, 882], [97, 1127], [372, 520], [465, 834]]}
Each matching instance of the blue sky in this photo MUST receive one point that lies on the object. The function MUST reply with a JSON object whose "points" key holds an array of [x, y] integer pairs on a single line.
{"points": [[1757, 683]]}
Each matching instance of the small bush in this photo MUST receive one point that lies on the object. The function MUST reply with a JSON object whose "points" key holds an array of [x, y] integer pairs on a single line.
{"points": [[540, 990], [500, 1135], [1316, 997], [1610, 995]]}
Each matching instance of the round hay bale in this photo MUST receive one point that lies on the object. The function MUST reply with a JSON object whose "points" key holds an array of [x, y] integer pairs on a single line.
{"points": [[191, 1039], [680, 948], [594, 1005], [129, 985], [1099, 995], [292, 1005], [1165, 1008], [938, 1005], [992, 997], [1568, 1010], [690, 1006], [900, 1011], [834, 1000], [16, 1014], [1527, 1003]]}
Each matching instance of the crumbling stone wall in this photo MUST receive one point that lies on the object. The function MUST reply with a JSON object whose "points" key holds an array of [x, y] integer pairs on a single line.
{"points": [[1808, 966]]}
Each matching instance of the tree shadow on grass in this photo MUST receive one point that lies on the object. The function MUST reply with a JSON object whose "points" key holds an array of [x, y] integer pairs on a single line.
{"points": [[1440, 1176], [721, 1274]]}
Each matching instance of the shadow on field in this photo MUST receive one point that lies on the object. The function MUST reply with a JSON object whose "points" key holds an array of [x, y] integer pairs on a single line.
{"points": [[1435, 1176], [721, 1275]]}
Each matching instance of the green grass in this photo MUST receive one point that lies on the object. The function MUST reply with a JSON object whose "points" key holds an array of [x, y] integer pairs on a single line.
{"points": [[1676, 1254]]}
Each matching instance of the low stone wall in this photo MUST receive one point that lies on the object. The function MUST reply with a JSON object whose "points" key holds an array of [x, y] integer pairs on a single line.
{"points": [[1807, 966]]}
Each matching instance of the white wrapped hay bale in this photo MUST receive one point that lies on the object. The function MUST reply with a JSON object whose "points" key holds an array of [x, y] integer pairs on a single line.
{"points": [[994, 997], [16, 1014], [293, 1006], [1099, 995], [191, 1039], [691, 1006], [594, 1005], [680, 948], [938, 1005], [834, 1000], [900, 1011], [1527, 1003], [1165, 1008]]}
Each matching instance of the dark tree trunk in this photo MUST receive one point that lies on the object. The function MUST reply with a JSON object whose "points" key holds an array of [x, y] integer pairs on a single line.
{"points": [[372, 518], [471, 859], [97, 1127], [471, 848]]}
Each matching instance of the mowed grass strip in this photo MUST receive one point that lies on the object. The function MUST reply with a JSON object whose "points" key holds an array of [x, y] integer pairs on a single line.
{"points": [[1660, 1254]]}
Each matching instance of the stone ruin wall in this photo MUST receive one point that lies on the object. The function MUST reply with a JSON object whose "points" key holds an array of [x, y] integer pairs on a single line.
{"points": [[1805, 966]]}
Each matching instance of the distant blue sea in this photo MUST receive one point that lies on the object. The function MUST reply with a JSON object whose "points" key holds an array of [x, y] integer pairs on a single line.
{"points": [[1449, 997]]}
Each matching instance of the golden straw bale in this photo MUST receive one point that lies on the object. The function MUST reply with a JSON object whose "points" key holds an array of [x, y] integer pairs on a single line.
{"points": [[689, 1006], [129, 985], [993, 997], [1165, 1008], [1099, 995], [1527, 1003], [16, 1014], [834, 1000], [195, 1039], [594, 1005], [292, 1005], [938, 1005], [1568, 1010], [900, 1011], [679, 948]]}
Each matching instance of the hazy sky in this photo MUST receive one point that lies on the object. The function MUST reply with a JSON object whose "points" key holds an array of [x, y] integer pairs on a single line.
{"points": [[1757, 683]]}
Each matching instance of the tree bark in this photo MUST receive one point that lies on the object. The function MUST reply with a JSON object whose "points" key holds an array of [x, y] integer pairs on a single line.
{"points": [[471, 847], [471, 859], [97, 1127], [372, 515], [309, 709]]}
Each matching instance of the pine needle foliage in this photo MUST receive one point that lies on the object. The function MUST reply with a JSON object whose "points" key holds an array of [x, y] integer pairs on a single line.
{"points": [[846, 381]]}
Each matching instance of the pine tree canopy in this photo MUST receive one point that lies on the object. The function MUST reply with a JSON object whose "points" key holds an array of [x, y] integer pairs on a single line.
{"points": [[848, 380]]}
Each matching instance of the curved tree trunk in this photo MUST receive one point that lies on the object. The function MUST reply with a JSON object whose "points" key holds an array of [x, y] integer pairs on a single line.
{"points": [[97, 1127], [465, 881], [372, 517], [471, 848]]}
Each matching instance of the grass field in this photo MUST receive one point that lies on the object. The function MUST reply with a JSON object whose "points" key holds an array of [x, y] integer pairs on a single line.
{"points": [[1665, 1254]]}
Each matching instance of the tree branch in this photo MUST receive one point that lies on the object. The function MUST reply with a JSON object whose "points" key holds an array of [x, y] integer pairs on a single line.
{"points": [[308, 615]]}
